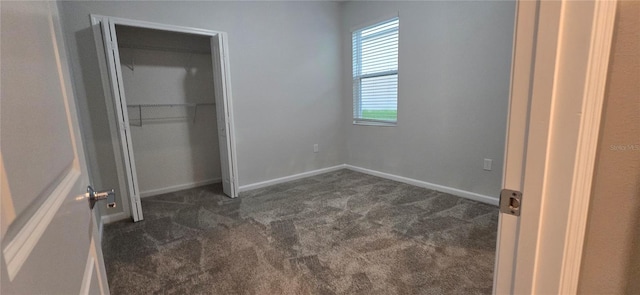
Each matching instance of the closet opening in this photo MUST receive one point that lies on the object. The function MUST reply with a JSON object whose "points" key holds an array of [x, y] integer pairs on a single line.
{"points": [[170, 97]]}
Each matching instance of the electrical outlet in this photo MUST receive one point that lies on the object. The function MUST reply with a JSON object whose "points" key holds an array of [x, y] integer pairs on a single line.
{"points": [[487, 164], [315, 148]]}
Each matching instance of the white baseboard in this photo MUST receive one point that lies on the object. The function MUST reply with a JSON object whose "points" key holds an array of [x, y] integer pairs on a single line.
{"points": [[106, 219], [262, 184], [445, 189], [179, 187]]}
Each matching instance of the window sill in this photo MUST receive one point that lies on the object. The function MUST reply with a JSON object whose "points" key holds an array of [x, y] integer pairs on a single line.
{"points": [[382, 124]]}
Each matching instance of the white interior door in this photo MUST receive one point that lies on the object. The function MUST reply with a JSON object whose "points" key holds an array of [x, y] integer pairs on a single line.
{"points": [[110, 41], [220, 88], [48, 233]]}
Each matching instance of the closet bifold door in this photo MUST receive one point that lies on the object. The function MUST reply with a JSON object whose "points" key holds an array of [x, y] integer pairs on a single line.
{"points": [[222, 115], [117, 90]]}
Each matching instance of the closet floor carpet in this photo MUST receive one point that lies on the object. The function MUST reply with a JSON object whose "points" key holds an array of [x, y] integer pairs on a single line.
{"points": [[342, 232]]}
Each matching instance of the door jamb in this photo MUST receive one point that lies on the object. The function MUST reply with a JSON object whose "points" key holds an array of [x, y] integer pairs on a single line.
{"points": [[109, 97], [579, 196], [523, 59], [519, 267]]}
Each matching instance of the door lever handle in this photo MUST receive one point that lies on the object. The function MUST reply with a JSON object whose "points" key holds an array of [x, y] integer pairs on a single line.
{"points": [[93, 196]]}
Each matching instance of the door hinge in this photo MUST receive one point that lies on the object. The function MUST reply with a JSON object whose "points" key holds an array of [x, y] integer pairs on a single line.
{"points": [[510, 202], [110, 44]]}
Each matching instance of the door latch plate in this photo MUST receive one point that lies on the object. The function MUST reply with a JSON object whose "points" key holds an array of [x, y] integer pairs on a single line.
{"points": [[94, 196], [510, 202]]}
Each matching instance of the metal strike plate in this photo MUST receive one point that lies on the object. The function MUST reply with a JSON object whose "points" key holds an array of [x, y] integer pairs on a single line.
{"points": [[510, 202]]}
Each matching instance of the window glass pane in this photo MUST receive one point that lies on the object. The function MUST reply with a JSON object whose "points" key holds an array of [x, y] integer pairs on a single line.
{"points": [[380, 54], [375, 72], [379, 98], [380, 27]]}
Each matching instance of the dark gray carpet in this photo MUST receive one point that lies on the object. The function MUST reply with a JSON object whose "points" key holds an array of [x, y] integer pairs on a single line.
{"points": [[337, 233]]}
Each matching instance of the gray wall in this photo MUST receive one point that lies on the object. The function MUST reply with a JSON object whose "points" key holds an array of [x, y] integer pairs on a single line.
{"points": [[290, 75], [454, 77], [611, 257], [285, 74]]}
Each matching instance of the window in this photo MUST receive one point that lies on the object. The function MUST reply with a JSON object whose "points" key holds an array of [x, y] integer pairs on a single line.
{"points": [[375, 73]]}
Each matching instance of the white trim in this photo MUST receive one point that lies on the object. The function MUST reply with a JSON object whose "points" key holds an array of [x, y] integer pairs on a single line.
{"points": [[157, 26], [524, 45], [520, 236], [441, 188], [271, 182], [95, 263], [602, 34], [178, 187], [538, 148], [370, 123], [96, 251], [88, 275], [547, 251], [106, 219], [20, 247], [375, 21]]}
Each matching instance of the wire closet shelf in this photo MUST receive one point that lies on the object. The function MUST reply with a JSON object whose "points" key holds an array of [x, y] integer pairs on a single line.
{"points": [[163, 112], [164, 48]]}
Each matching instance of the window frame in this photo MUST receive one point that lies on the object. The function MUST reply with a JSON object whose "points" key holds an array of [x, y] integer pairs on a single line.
{"points": [[357, 79]]}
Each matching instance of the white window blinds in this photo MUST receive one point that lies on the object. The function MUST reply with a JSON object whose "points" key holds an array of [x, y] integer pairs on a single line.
{"points": [[375, 72]]}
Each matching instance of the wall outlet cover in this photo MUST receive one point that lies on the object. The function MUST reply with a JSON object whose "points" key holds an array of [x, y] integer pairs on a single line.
{"points": [[487, 164]]}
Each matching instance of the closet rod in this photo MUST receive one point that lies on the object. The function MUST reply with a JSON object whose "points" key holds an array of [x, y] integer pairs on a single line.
{"points": [[159, 48], [170, 104]]}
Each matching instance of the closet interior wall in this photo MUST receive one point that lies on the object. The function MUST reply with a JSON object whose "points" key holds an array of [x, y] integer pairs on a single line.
{"points": [[168, 83]]}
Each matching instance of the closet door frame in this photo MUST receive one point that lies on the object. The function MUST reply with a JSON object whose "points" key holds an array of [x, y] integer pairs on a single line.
{"points": [[107, 47]]}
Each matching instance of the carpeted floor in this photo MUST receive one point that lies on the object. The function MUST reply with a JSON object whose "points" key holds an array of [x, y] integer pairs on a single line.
{"points": [[337, 233]]}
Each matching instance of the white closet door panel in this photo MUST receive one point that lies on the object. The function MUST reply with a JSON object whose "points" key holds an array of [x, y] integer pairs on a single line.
{"points": [[220, 90]]}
